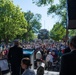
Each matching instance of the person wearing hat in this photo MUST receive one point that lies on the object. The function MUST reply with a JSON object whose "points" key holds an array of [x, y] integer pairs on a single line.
{"points": [[26, 64], [15, 56]]}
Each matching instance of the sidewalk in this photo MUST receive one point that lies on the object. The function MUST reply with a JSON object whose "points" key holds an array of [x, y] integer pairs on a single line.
{"points": [[49, 72], [46, 73]]}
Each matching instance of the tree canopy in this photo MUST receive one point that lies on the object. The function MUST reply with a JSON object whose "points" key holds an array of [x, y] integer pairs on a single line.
{"points": [[43, 34], [33, 24], [12, 21], [58, 32]]}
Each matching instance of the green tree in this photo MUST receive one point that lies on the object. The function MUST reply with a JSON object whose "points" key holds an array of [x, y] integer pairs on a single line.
{"points": [[12, 21], [43, 34], [58, 32], [33, 24], [42, 2], [72, 32]]}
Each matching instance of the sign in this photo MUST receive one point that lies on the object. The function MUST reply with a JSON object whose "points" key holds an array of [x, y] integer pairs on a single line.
{"points": [[28, 51]]}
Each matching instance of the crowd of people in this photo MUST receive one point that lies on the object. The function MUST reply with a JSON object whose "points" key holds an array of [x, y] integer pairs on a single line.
{"points": [[46, 52]]}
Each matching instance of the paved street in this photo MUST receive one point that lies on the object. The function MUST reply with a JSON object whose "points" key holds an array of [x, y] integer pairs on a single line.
{"points": [[46, 73], [50, 73]]}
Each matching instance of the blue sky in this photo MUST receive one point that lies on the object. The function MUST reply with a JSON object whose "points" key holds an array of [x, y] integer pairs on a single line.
{"points": [[26, 5]]}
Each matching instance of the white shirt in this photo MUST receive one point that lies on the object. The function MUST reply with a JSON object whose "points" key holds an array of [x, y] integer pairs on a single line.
{"points": [[49, 57], [38, 55]]}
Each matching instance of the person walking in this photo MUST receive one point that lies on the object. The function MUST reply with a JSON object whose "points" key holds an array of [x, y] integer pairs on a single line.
{"points": [[38, 58], [26, 64], [68, 60], [49, 61], [15, 55]]}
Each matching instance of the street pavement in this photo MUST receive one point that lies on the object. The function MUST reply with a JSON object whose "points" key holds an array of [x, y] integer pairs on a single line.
{"points": [[50, 72], [46, 73]]}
